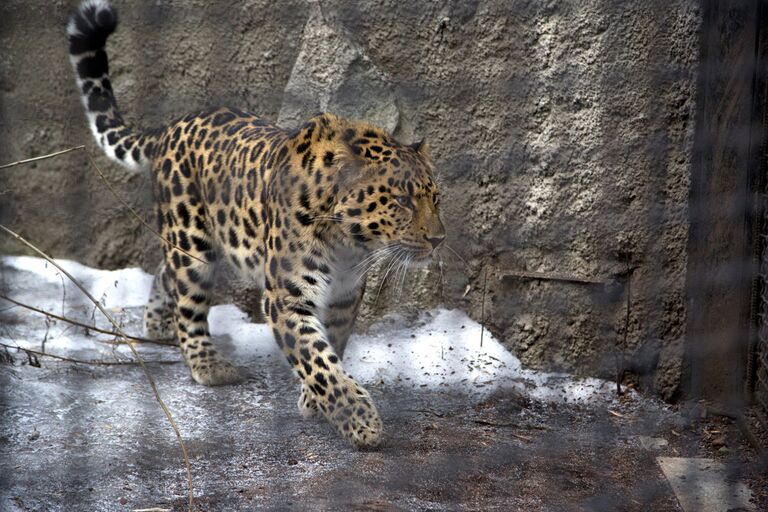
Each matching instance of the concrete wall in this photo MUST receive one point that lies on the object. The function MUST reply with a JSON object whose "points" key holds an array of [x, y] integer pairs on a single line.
{"points": [[562, 131]]}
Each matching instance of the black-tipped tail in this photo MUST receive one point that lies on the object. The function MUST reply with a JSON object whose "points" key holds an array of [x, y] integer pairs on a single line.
{"points": [[88, 29], [90, 26]]}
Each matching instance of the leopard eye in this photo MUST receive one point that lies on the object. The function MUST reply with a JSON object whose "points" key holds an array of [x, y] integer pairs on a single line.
{"points": [[404, 201]]}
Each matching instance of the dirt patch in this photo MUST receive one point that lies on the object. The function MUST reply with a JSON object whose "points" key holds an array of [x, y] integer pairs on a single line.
{"points": [[442, 451]]}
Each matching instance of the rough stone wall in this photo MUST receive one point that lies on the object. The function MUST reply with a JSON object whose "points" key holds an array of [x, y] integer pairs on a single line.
{"points": [[562, 131]]}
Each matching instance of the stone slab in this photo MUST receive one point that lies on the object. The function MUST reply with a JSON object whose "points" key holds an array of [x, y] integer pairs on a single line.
{"points": [[702, 485]]}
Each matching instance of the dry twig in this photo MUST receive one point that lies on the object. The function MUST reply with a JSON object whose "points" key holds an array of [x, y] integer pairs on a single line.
{"points": [[42, 157], [552, 276], [623, 363], [134, 212], [114, 323], [79, 361], [427, 411], [482, 306], [165, 342], [111, 189], [513, 425]]}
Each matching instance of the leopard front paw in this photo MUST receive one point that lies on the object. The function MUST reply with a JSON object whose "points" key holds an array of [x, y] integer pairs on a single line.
{"points": [[307, 404], [214, 371], [351, 410]]}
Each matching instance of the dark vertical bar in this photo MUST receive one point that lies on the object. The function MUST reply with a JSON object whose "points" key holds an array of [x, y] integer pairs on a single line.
{"points": [[720, 262], [757, 370]]}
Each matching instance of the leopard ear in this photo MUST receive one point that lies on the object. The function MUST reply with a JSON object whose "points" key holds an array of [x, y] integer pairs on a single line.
{"points": [[420, 148]]}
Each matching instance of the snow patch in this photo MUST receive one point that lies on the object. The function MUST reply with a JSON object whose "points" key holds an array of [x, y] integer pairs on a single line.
{"points": [[441, 351], [124, 288]]}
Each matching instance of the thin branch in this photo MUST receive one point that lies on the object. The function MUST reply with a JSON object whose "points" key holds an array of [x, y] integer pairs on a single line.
{"points": [[80, 361], [43, 157], [456, 253], [426, 411], [623, 363], [482, 305], [513, 425], [553, 276], [150, 379], [164, 342], [111, 189], [134, 212]]}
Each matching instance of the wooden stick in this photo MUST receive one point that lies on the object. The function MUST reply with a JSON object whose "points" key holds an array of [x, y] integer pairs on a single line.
{"points": [[164, 342], [482, 306], [80, 361], [621, 370], [43, 157], [134, 212], [513, 425], [552, 276], [111, 189], [150, 379]]}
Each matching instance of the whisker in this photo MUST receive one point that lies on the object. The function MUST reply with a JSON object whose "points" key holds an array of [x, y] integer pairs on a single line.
{"points": [[375, 254], [454, 252], [405, 265], [449, 263], [372, 259], [393, 259], [364, 271], [442, 276], [396, 276], [331, 218], [401, 275]]}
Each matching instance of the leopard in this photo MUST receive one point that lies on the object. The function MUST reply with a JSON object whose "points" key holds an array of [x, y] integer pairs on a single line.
{"points": [[301, 213]]}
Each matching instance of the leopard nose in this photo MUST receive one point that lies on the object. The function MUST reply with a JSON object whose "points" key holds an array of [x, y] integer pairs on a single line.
{"points": [[435, 240]]}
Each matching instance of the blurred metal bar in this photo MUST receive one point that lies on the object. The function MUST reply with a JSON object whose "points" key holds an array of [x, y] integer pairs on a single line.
{"points": [[757, 360], [721, 263]]}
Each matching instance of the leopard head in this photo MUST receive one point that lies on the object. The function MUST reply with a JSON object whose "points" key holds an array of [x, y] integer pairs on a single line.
{"points": [[388, 195]]}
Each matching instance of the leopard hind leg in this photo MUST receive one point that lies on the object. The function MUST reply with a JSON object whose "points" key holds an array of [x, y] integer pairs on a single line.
{"points": [[159, 322], [192, 280]]}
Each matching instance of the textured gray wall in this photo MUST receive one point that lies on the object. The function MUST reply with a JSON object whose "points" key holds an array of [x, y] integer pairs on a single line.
{"points": [[562, 131]]}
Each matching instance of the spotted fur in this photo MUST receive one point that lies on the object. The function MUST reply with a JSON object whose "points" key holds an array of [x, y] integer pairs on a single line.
{"points": [[301, 213]]}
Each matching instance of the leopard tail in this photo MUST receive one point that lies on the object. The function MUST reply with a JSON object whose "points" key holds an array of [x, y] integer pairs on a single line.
{"points": [[87, 32]]}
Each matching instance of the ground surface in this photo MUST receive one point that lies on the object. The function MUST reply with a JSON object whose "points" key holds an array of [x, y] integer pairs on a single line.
{"points": [[467, 427]]}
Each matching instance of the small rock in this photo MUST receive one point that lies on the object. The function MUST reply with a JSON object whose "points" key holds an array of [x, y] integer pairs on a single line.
{"points": [[653, 443], [718, 441], [292, 462]]}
